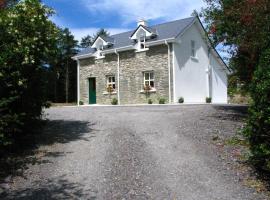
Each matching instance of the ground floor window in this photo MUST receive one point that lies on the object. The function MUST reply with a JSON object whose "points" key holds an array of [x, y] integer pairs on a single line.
{"points": [[110, 83], [148, 79]]}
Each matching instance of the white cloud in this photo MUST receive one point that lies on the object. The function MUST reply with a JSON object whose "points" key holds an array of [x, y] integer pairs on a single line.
{"points": [[132, 10], [81, 32]]}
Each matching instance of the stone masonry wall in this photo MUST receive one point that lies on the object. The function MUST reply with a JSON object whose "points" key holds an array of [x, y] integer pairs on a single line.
{"points": [[132, 66]]}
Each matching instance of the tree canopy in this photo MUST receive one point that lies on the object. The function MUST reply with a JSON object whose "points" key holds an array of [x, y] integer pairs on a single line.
{"points": [[88, 40], [27, 40]]}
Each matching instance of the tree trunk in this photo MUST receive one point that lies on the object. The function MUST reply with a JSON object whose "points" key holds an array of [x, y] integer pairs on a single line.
{"points": [[67, 82]]}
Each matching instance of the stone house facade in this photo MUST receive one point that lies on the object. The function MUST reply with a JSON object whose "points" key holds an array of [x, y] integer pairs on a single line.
{"points": [[142, 64]]}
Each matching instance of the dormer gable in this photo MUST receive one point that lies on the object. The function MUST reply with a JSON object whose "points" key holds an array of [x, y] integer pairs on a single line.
{"points": [[102, 41], [142, 31]]}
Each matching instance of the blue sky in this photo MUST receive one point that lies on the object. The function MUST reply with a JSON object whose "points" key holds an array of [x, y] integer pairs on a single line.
{"points": [[84, 17]]}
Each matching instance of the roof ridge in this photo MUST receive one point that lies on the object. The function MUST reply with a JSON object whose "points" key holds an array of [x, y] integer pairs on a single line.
{"points": [[156, 25], [172, 21]]}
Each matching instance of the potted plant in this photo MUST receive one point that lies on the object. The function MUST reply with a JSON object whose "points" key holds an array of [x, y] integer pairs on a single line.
{"points": [[181, 100], [110, 89], [147, 88]]}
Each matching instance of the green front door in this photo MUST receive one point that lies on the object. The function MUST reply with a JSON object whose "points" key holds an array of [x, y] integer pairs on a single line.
{"points": [[92, 91]]}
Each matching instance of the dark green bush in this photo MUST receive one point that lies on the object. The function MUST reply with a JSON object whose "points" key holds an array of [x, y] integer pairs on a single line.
{"points": [[208, 99], [81, 103], [162, 101], [27, 40], [114, 101], [257, 128], [181, 100], [150, 101]]}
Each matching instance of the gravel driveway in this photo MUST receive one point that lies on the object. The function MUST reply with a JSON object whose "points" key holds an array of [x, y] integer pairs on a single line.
{"points": [[144, 152]]}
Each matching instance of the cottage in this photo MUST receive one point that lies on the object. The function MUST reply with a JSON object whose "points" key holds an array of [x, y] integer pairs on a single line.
{"points": [[169, 61]]}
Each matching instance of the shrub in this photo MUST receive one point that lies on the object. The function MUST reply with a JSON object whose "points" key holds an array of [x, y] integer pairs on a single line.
{"points": [[114, 101], [150, 101], [81, 103], [257, 128], [181, 100], [208, 99], [162, 101], [27, 40]]}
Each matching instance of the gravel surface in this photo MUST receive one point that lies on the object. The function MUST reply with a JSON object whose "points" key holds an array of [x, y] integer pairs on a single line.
{"points": [[143, 152]]}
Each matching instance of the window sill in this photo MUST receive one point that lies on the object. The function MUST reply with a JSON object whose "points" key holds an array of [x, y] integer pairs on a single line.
{"points": [[101, 57], [194, 58], [109, 93], [142, 50], [150, 91]]}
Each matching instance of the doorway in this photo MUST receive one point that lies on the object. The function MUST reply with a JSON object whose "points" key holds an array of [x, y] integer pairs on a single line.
{"points": [[92, 91]]}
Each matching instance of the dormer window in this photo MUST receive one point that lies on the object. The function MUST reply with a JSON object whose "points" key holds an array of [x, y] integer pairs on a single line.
{"points": [[100, 43], [141, 35]]}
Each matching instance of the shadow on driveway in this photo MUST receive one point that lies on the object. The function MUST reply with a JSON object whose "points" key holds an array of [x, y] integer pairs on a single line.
{"points": [[15, 161], [56, 189]]}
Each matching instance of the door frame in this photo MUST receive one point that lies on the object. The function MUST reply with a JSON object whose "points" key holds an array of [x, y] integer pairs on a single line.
{"points": [[95, 97]]}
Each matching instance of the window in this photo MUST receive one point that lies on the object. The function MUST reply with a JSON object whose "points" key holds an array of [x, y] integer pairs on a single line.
{"points": [[149, 79], [111, 82], [193, 50]]}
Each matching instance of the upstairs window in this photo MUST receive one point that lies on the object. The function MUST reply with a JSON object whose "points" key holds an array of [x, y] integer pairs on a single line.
{"points": [[149, 79], [193, 49], [110, 83]]}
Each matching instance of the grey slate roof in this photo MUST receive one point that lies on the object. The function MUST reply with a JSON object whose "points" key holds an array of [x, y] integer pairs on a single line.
{"points": [[163, 31]]}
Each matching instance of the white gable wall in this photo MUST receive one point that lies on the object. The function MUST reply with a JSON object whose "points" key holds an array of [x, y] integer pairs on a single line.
{"points": [[190, 77], [218, 82]]}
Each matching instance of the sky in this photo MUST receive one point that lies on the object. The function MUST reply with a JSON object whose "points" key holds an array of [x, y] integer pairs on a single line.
{"points": [[85, 17]]}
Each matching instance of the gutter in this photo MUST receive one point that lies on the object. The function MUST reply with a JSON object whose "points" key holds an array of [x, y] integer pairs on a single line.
{"points": [[78, 82], [169, 70], [118, 75]]}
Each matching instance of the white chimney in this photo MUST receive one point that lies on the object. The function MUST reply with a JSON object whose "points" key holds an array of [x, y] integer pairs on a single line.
{"points": [[142, 22]]}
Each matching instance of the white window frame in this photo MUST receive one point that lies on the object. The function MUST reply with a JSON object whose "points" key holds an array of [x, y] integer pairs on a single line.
{"points": [[110, 82], [193, 49], [150, 79]]}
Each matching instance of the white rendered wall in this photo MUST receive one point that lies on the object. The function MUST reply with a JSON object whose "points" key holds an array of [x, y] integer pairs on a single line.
{"points": [[219, 82], [190, 77]]}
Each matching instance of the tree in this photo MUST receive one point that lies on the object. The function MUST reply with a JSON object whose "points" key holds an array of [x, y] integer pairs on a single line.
{"points": [[88, 40], [62, 71], [258, 124], [27, 40]]}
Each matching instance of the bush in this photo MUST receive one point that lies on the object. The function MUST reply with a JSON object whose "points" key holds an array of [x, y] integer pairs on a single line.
{"points": [[150, 101], [208, 99], [162, 101], [114, 101], [81, 103], [257, 128], [27, 40], [181, 100]]}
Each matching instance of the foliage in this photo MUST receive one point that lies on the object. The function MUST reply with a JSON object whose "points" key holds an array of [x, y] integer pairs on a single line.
{"points": [[258, 124], [81, 103], [62, 73], [114, 101], [88, 40], [27, 40], [208, 99], [181, 100], [162, 101], [150, 101], [243, 26]]}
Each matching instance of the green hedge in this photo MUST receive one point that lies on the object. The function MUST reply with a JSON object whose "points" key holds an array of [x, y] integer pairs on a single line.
{"points": [[258, 124]]}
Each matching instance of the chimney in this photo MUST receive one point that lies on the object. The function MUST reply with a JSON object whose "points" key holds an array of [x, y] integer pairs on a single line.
{"points": [[142, 22]]}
